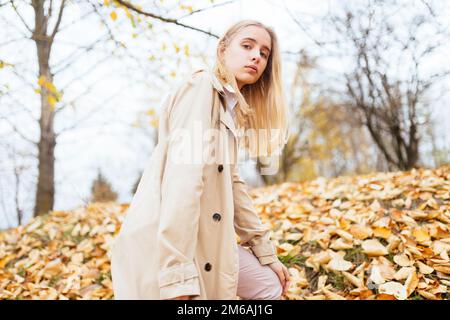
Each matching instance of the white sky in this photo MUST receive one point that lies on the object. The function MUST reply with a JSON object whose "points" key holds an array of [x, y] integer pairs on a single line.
{"points": [[118, 149]]}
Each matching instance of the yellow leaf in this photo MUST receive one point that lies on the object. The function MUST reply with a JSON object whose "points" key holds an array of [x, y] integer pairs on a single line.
{"points": [[177, 48], [38, 91], [106, 2], [185, 7], [173, 74], [113, 15], [50, 87], [186, 50], [41, 80], [421, 235], [164, 46], [154, 123], [361, 232], [5, 64], [151, 112], [127, 12], [382, 232], [51, 100], [5, 260]]}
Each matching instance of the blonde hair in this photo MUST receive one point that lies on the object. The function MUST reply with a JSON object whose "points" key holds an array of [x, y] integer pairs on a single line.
{"points": [[261, 105]]}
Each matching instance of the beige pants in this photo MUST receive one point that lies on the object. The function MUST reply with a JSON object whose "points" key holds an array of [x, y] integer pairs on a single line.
{"points": [[256, 282]]}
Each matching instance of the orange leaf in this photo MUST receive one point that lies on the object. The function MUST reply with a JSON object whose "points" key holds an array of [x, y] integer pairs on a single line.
{"points": [[382, 232]]}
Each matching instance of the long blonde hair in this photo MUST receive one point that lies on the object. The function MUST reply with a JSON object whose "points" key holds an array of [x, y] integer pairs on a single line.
{"points": [[261, 105]]}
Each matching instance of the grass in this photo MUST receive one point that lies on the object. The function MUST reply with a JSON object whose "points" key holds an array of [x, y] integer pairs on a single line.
{"points": [[54, 280], [290, 260], [338, 281], [312, 246], [77, 239], [416, 296], [102, 276], [22, 272], [356, 256]]}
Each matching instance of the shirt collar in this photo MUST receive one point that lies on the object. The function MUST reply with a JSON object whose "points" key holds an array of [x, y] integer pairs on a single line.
{"points": [[230, 96], [230, 93]]}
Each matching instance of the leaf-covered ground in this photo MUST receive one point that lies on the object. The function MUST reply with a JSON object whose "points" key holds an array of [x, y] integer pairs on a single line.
{"points": [[378, 236]]}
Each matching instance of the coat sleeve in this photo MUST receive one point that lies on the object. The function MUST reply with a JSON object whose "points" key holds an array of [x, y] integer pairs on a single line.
{"points": [[247, 224], [181, 188]]}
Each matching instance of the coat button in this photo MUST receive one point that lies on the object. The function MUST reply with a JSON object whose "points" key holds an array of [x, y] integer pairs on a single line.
{"points": [[217, 216], [220, 168], [208, 266]]}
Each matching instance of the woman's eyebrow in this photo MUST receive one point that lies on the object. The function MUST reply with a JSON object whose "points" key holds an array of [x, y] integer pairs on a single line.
{"points": [[251, 39]]}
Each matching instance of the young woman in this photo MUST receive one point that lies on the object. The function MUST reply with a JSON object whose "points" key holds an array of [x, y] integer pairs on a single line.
{"points": [[178, 239]]}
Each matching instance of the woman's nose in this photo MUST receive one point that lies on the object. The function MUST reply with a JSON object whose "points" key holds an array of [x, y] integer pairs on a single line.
{"points": [[255, 59], [256, 56]]}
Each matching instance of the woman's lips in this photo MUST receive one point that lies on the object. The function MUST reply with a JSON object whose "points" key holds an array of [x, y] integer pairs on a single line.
{"points": [[250, 68]]}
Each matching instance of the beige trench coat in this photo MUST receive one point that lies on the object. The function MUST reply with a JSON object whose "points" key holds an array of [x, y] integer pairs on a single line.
{"points": [[179, 233]]}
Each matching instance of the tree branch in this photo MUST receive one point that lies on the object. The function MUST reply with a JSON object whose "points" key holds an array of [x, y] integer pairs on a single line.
{"points": [[167, 20], [207, 8], [21, 18], [18, 131], [60, 13]]}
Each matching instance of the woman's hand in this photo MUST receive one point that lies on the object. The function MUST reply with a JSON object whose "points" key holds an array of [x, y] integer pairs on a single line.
{"points": [[282, 273], [181, 298]]}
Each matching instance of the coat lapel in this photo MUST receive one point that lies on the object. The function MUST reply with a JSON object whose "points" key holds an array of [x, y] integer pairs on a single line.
{"points": [[227, 120], [225, 116]]}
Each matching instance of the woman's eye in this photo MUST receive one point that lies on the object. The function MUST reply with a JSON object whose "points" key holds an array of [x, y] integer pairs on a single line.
{"points": [[248, 46]]}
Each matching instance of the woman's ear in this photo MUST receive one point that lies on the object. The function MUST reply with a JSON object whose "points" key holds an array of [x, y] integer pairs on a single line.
{"points": [[221, 51]]}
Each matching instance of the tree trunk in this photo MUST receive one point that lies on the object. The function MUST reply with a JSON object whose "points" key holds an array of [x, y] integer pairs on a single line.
{"points": [[46, 147]]}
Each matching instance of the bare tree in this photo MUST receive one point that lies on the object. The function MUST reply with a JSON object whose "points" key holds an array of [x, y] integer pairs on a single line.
{"points": [[383, 48], [392, 105], [49, 21]]}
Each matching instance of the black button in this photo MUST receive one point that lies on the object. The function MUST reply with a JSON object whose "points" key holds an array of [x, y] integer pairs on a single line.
{"points": [[220, 168], [208, 266], [217, 216]]}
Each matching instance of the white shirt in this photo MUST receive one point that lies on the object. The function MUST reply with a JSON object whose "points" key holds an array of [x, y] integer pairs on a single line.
{"points": [[230, 99]]}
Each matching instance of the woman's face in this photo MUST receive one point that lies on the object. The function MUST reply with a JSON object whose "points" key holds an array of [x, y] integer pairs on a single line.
{"points": [[244, 52]]}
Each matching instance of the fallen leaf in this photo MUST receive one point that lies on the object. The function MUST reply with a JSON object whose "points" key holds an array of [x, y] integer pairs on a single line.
{"points": [[393, 288], [403, 260], [411, 283], [361, 232], [338, 264], [382, 232], [421, 235], [373, 248], [423, 268]]}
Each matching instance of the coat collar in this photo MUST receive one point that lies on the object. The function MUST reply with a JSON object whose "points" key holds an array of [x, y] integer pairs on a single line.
{"points": [[225, 116]]}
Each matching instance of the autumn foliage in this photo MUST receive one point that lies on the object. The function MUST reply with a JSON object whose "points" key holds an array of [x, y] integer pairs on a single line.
{"points": [[377, 236]]}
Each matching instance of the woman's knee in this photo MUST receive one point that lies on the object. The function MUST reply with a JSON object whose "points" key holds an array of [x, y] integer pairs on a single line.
{"points": [[268, 289], [256, 281], [272, 291]]}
